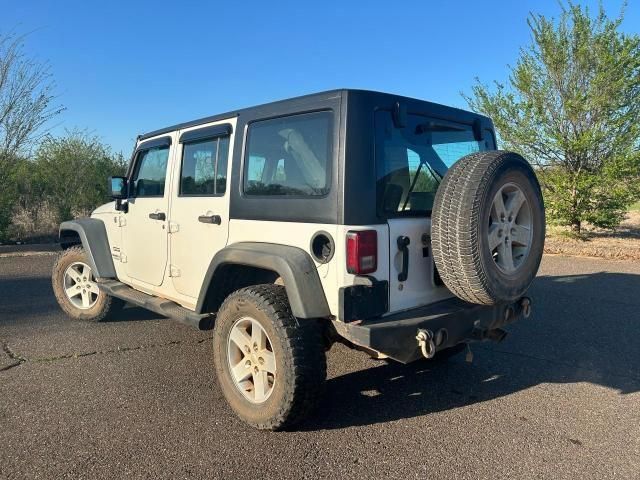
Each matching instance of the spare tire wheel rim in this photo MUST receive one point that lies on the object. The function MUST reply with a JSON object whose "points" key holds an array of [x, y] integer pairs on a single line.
{"points": [[80, 286], [510, 229], [252, 362]]}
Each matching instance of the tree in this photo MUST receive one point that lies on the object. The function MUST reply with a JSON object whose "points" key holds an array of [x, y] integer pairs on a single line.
{"points": [[26, 105], [571, 105], [71, 173]]}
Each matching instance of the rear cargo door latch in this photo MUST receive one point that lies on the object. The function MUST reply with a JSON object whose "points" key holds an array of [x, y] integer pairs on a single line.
{"points": [[403, 244]]}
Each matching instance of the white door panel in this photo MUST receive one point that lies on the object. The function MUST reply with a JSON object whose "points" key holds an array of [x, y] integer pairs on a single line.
{"points": [[419, 288], [199, 217]]}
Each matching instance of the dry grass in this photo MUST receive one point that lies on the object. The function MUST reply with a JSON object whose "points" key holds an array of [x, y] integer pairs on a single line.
{"points": [[34, 225], [621, 244]]}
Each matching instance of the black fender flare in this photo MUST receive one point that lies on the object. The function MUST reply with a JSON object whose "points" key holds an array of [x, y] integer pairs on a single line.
{"points": [[95, 242], [294, 265]]}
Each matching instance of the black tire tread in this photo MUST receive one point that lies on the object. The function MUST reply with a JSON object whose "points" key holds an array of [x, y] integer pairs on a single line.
{"points": [[455, 225], [303, 354]]}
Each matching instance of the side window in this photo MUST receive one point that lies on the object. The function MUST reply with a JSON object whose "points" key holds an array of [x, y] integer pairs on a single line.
{"points": [[204, 167], [289, 156], [255, 169], [151, 171]]}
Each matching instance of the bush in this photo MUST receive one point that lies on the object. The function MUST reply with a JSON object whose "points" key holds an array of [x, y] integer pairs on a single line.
{"points": [[66, 178], [570, 105]]}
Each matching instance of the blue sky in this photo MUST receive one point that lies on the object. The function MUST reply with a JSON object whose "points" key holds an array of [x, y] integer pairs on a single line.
{"points": [[123, 68]]}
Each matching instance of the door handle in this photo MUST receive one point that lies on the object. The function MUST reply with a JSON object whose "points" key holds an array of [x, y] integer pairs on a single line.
{"points": [[215, 219], [403, 244], [158, 216]]}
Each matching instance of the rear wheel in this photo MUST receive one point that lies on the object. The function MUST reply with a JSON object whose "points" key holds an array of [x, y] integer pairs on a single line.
{"points": [[270, 366], [488, 227], [76, 289]]}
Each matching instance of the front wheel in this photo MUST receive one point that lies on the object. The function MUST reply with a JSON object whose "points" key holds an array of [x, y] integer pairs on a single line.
{"points": [[270, 366], [76, 290]]}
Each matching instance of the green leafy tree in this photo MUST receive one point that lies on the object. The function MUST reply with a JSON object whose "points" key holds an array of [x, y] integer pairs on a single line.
{"points": [[571, 105], [71, 173], [26, 105]]}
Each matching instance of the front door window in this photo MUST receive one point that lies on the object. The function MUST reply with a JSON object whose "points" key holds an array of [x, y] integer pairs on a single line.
{"points": [[151, 172]]}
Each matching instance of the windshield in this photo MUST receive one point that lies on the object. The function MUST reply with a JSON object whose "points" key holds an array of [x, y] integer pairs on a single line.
{"points": [[411, 161]]}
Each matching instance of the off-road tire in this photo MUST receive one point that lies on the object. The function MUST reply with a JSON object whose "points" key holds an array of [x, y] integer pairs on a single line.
{"points": [[460, 223], [299, 352], [105, 305]]}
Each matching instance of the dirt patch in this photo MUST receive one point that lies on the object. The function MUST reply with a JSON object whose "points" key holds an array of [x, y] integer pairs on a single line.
{"points": [[621, 244]]}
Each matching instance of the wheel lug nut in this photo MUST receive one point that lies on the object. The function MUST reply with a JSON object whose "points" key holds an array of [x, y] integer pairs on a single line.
{"points": [[261, 360], [255, 369], [248, 364], [247, 349]]}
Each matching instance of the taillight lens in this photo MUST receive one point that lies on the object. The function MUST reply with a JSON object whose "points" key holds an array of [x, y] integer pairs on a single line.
{"points": [[362, 252]]}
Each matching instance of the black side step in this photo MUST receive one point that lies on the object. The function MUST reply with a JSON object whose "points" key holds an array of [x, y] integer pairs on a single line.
{"points": [[158, 305]]}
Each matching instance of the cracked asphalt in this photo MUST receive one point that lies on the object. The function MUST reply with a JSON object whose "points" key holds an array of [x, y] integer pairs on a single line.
{"points": [[136, 397]]}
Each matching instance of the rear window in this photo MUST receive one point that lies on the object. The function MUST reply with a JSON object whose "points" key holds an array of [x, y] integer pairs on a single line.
{"points": [[411, 161], [289, 156]]}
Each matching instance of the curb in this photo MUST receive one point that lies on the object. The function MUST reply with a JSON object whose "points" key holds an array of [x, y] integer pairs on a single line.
{"points": [[41, 249]]}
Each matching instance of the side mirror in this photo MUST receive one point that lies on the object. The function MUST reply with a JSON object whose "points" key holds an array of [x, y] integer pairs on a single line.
{"points": [[117, 188]]}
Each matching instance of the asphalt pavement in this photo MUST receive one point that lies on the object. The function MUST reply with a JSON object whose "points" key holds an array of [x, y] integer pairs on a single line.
{"points": [[136, 397]]}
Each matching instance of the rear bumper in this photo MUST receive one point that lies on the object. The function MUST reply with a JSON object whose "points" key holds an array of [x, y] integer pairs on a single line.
{"points": [[456, 320]]}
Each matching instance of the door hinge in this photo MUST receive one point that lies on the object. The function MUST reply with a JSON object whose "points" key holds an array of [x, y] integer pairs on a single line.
{"points": [[123, 258], [173, 227], [174, 271], [122, 221]]}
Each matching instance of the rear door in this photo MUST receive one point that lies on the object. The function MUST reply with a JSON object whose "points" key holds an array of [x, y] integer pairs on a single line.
{"points": [[410, 163], [199, 217]]}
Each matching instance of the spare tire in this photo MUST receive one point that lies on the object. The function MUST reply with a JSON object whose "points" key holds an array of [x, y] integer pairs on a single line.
{"points": [[488, 227]]}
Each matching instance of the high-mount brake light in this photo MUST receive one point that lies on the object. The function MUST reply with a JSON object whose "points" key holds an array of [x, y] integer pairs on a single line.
{"points": [[362, 252]]}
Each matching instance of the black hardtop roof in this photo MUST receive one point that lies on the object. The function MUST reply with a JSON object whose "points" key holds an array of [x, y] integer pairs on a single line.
{"points": [[371, 94]]}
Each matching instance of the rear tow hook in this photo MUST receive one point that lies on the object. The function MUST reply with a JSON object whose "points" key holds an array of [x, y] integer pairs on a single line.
{"points": [[426, 344]]}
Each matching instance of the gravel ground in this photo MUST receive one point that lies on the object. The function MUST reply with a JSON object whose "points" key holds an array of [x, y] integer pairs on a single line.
{"points": [[136, 397]]}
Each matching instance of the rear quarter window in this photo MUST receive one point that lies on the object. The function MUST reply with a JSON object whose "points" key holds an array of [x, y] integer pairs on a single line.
{"points": [[289, 156]]}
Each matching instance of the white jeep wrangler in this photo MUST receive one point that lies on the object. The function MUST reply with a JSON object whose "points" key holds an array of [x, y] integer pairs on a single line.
{"points": [[390, 224]]}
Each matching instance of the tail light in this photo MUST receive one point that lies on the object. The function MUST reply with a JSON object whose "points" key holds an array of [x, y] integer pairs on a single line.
{"points": [[362, 252]]}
